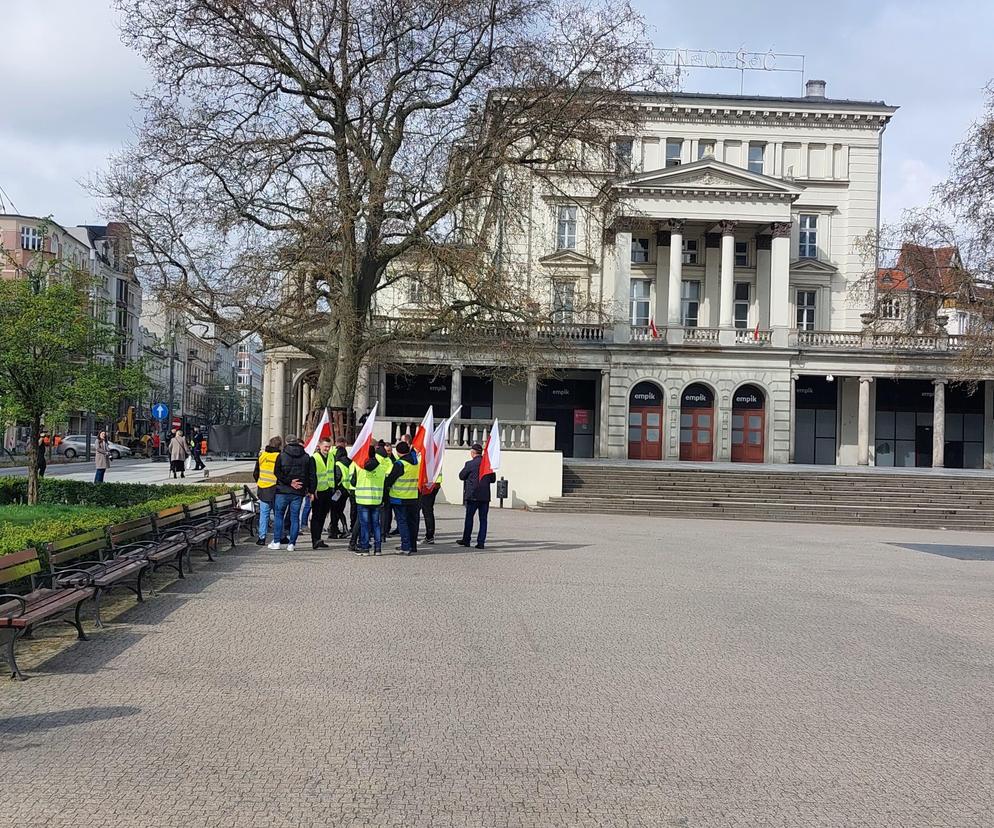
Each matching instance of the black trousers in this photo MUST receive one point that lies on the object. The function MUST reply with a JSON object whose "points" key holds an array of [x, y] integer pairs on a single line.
{"points": [[320, 508], [199, 463], [335, 525], [428, 510], [387, 515], [354, 541]]}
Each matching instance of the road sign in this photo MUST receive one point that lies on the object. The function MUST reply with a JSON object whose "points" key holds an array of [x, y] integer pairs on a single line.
{"points": [[177, 422], [160, 411]]}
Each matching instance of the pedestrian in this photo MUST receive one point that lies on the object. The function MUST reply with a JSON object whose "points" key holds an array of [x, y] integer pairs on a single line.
{"points": [[146, 444], [385, 450], [265, 475], [337, 525], [427, 501], [178, 452], [156, 444], [368, 479], [196, 448], [101, 457], [348, 503], [402, 489], [294, 481], [41, 459], [326, 477], [475, 496]]}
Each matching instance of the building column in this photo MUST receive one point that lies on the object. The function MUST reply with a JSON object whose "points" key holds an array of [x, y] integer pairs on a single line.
{"points": [[267, 400], [531, 395], [939, 424], [764, 256], [726, 298], [660, 309], [988, 424], [361, 404], [455, 398], [604, 429], [622, 285], [780, 283], [863, 422], [676, 274], [381, 384], [279, 397]]}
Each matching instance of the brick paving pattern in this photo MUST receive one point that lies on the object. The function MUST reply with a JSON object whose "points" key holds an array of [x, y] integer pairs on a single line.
{"points": [[582, 671]]}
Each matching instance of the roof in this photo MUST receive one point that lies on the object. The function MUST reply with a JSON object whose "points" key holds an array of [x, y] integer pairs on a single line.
{"points": [[799, 101], [924, 268]]}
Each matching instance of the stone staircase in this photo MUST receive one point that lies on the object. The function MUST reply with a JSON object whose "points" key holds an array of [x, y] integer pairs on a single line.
{"points": [[801, 495]]}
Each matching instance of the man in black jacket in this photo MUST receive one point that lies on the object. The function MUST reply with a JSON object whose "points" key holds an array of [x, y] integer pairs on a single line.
{"points": [[475, 496], [294, 480]]}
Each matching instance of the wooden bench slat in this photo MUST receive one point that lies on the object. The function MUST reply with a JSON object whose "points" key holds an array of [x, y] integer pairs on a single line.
{"points": [[19, 565]]}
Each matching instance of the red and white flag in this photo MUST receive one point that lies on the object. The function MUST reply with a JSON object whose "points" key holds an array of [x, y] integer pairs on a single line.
{"points": [[491, 451], [653, 329], [323, 430], [440, 438], [424, 444], [365, 439]]}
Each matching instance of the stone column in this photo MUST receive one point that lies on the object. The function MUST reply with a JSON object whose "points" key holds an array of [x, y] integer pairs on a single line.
{"points": [[863, 422], [988, 424], [764, 255], [267, 400], [279, 398], [780, 283], [531, 396], [455, 399], [604, 429], [622, 285], [676, 274], [939, 424], [727, 295], [381, 384]]}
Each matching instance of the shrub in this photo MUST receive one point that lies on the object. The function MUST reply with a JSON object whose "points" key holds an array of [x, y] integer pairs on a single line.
{"points": [[83, 493]]}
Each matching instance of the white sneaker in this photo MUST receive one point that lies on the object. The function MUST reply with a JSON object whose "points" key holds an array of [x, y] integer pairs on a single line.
{"points": [[290, 547], [273, 545]]}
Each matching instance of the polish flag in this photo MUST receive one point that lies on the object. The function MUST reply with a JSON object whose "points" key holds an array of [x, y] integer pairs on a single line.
{"points": [[755, 333], [653, 329], [424, 444], [439, 440], [323, 430], [365, 439], [491, 451]]}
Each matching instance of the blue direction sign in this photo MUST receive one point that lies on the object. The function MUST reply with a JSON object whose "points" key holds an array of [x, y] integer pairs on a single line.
{"points": [[160, 411]]}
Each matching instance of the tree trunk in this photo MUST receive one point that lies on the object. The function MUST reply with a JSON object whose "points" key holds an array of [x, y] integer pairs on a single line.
{"points": [[33, 449]]}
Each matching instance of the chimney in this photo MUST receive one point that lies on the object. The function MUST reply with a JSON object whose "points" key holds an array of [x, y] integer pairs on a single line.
{"points": [[814, 89]]}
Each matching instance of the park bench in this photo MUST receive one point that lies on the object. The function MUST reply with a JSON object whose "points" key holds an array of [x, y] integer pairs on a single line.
{"points": [[91, 552], [202, 526], [228, 509], [143, 539], [66, 592]]}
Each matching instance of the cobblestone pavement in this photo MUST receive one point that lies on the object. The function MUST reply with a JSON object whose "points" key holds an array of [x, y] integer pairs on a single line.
{"points": [[581, 671]]}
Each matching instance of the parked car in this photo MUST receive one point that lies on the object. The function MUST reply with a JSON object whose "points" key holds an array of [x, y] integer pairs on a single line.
{"points": [[74, 445]]}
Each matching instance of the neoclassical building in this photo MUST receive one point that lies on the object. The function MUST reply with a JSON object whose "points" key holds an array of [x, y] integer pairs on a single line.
{"points": [[730, 270]]}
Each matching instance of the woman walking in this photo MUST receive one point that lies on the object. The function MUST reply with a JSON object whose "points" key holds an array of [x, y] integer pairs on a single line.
{"points": [[177, 454], [101, 457]]}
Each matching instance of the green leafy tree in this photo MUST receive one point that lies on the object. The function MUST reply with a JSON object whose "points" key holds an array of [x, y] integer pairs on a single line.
{"points": [[54, 354]]}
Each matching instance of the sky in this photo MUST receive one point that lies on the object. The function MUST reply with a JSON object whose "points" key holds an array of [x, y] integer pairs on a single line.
{"points": [[69, 83]]}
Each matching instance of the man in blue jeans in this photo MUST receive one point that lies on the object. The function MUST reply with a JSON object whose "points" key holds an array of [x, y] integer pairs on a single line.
{"points": [[475, 496], [294, 481]]}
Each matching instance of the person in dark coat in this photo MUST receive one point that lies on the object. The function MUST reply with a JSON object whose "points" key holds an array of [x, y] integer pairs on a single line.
{"points": [[195, 451], [475, 496], [294, 481]]}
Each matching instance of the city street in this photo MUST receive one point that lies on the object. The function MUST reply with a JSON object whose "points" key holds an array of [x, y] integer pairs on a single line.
{"points": [[581, 671], [135, 470]]}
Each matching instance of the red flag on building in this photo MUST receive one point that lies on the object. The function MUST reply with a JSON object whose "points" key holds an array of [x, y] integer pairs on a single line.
{"points": [[653, 329]]}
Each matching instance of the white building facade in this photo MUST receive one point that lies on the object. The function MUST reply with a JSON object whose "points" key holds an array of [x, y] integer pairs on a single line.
{"points": [[729, 272]]}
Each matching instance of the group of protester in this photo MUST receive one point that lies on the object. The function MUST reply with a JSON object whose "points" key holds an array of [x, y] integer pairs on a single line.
{"points": [[376, 490]]}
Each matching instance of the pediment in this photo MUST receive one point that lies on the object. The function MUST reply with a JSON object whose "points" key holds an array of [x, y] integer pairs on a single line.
{"points": [[709, 175], [812, 266], [567, 258]]}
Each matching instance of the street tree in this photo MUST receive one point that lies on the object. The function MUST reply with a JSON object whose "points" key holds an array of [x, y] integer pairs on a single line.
{"points": [[297, 158]]}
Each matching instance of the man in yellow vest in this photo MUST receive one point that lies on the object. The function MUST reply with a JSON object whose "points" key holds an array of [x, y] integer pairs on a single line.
{"points": [[368, 479], [338, 526], [402, 484], [326, 474], [266, 479]]}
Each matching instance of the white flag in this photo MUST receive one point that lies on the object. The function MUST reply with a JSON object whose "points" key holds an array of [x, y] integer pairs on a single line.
{"points": [[365, 438], [440, 439]]}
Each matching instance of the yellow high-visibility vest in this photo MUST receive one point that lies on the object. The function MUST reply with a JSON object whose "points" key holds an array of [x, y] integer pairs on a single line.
{"points": [[326, 472], [346, 475], [267, 463], [405, 487], [369, 485]]}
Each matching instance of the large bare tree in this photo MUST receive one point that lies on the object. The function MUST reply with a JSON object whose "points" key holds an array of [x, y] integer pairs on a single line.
{"points": [[296, 157]]}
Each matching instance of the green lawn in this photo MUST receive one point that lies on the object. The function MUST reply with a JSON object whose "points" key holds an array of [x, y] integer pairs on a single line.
{"points": [[23, 515]]}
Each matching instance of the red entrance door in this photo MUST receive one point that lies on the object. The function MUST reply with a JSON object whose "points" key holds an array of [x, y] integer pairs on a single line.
{"points": [[696, 434], [748, 425], [645, 433]]}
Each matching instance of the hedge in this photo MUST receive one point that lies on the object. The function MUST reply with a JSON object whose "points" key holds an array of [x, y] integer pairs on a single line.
{"points": [[83, 493], [15, 538]]}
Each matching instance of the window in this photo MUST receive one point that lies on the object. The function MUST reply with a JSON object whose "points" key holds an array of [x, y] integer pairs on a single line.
{"points": [[640, 251], [741, 305], [639, 294], [807, 247], [690, 302], [690, 251], [566, 228], [563, 294], [623, 153], [742, 254], [674, 149], [805, 310], [756, 156], [705, 149], [415, 290], [30, 238], [890, 308]]}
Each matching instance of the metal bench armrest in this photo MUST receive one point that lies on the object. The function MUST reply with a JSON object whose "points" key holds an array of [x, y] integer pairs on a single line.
{"points": [[56, 577], [8, 597], [128, 550]]}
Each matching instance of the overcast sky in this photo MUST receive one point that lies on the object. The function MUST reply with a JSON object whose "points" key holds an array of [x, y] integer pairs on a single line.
{"points": [[68, 104]]}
